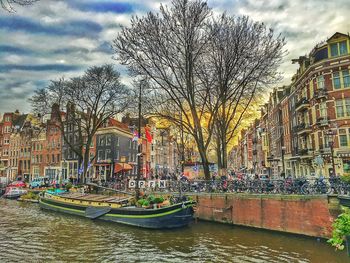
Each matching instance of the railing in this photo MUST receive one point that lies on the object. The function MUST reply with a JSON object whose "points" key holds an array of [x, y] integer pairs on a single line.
{"points": [[321, 93], [322, 121], [301, 186], [302, 101], [303, 152]]}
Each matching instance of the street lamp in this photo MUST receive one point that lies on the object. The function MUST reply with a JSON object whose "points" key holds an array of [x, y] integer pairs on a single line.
{"points": [[123, 160]]}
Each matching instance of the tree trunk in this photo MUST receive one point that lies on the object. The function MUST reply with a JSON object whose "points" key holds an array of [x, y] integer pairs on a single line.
{"points": [[205, 162], [85, 163], [224, 156], [218, 153]]}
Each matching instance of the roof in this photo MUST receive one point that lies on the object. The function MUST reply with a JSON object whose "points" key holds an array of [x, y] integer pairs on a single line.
{"points": [[337, 35], [20, 120]]}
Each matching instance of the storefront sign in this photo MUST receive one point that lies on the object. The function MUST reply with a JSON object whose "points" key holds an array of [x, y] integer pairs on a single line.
{"points": [[148, 184]]}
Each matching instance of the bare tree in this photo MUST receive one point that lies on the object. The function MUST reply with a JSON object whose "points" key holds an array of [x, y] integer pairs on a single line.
{"points": [[166, 48], [8, 4], [204, 71], [242, 62], [91, 100]]}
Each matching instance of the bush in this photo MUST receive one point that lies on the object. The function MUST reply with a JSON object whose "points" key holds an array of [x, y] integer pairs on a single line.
{"points": [[345, 178], [158, 200], [151, 199], [341, 228], [140, 202], [68, 186], [145, 203]]}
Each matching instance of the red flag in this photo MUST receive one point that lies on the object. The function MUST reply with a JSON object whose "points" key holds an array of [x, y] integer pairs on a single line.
{"points": [[148, 135]]}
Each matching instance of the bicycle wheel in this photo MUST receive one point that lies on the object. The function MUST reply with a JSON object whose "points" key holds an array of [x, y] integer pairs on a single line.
{"points": [[305, 189]]}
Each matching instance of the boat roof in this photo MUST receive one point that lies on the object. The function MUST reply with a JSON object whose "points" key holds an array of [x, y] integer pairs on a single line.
{"points": [[95, 197]]}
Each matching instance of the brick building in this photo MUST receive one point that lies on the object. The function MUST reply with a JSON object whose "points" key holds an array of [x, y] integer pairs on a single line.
{"points": [[312, 114]]}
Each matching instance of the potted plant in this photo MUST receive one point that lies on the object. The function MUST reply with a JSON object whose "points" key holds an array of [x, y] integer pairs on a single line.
{"points": [[140, 202], [341, 231]]}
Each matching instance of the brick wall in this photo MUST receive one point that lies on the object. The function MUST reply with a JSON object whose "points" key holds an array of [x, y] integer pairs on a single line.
{"points": [[312, 216]]}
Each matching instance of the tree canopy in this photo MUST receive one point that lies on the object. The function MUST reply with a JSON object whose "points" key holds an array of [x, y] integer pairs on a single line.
{"points": [[204, 70]]}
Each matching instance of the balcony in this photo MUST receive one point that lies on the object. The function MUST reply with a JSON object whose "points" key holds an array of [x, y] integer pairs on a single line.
{"points": [[320, 94], [322, 121], [325, 151], [302, 104], [304, 153], [302, 128]]}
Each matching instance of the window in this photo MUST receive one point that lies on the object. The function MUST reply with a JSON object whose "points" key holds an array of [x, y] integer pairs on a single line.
{"points": [[108, 154], [343, 49], [343, 138], [7, 118], [101, 141], [117, 155], [323, 109], [334, 50], [320, 82], [130, 144], [336, 80], [325, 140], [6, 141], [338, 49], [99, 155], [347, 107], [339, 108], [346, 166], [117, 141], [108, 140], [346, 78]]}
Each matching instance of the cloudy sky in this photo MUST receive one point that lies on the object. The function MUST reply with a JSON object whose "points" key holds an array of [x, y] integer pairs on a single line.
{"points": [[56, 38]]}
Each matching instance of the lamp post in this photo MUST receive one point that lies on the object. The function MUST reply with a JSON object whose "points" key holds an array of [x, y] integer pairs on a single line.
{"points": [[123, 160]]}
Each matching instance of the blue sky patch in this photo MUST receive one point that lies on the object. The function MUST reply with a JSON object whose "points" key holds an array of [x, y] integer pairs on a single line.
{"points": [[79, 28], [103, 6], [44, 67]]}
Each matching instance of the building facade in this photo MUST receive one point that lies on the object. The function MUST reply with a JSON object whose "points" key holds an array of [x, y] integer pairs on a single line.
{"points": [[305, 127]]}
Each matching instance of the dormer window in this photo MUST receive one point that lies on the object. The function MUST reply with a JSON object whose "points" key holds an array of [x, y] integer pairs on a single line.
{"points": [[339, 49]]}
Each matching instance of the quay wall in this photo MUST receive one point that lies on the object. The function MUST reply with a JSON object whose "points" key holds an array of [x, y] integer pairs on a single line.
{"points": [[306, 215]]}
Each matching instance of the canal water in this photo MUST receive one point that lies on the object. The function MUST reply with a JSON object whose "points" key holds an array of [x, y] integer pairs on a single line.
{"points": [[28, 234]]}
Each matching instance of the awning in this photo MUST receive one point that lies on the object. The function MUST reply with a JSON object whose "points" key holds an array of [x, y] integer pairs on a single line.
{"points": [[122, 167], [102, 164]]}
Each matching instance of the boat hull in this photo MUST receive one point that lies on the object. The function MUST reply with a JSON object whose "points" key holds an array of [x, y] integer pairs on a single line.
{"points": [[174, 216], [11, 196]]}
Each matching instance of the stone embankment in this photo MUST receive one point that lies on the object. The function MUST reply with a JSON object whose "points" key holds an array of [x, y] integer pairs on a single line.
{"points": [[298, 214]]}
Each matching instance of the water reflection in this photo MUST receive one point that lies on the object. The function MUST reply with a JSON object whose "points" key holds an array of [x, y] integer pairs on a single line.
{"points": [[31, 235]]}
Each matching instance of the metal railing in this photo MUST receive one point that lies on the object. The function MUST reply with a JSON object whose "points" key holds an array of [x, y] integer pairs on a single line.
{"points": [[301, 186]]}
